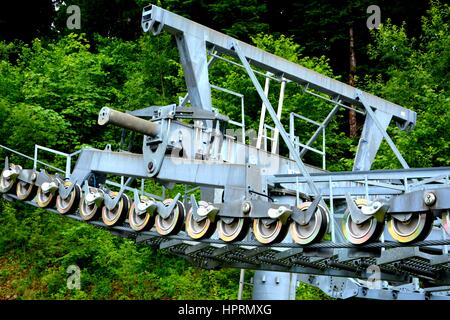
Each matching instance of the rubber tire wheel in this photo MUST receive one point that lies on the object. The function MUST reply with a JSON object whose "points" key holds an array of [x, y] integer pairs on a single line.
{"points": [[74, 199], [275, 236], [420, 233], [25, 191], [6, 185], [45, 201], [172, 228], [88, 213], [146, 224], [238, 233], [375, 231], [119, 217], [321, 220], [205, 228]]}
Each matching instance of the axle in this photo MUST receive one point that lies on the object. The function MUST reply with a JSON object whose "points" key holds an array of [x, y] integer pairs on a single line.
{"points": [[127, 121]]}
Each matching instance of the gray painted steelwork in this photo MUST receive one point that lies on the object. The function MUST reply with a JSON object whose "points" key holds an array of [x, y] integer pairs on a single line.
{"points": [[156, 19], [240, 181]]}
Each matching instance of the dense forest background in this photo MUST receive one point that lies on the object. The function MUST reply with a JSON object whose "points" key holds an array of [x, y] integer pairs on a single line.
{"points": [[54, 80]]}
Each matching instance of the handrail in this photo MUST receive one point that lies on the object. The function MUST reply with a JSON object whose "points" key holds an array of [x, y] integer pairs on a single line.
{"points": [[32, 158]]}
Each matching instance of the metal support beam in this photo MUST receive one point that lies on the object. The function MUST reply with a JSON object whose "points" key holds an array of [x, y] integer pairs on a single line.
{"points": [[347, 288], [154, 17], [270, 285], [279, 111], [345, 176], [273, 115], [193, 58], [370, 140], [320, 129], [263, 114], [382, 128]]}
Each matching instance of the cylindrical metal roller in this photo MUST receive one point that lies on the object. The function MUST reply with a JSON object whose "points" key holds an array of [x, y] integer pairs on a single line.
{"points": [[127, 121]]}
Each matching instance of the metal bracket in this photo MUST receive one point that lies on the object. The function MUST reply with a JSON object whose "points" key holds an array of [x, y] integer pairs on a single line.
{"points": [[111, 202], [64, 189], [49, 183], [27, 175], [155, 158], [49, 187], [42, 177], [194, 207], [421, 201], [303, 217], [357, 215], [144, 204], [11, 172], [233, 209], [164, 211], [207, 210], [258, 208], [198, 114], [93, 195], [281, 213], [203, 210], [401, 216], [151, 23]]}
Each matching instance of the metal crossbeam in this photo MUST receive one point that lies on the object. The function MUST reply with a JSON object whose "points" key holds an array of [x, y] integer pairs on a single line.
{"points": [[400, 174]]}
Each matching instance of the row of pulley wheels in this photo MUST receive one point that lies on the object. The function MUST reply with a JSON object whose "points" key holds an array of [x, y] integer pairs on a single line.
{"points": [[266, 231]]}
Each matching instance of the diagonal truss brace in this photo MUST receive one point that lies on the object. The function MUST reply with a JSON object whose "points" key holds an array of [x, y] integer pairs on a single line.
{"points": [[273, 115], [360, 96], [320, 129]]}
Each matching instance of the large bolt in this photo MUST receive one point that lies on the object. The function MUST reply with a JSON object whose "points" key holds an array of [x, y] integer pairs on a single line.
{"points": [[246, 207], [150, 166], [429, 198]]}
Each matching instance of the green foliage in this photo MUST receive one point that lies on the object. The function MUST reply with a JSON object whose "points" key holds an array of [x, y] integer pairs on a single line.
{"points": [[237, 18], [33, 123], [306, 292], [46, 244], [244, 16], [416, 76]]}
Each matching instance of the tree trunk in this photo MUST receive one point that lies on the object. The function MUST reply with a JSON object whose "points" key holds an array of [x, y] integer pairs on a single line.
{"points": [[351, 81]]}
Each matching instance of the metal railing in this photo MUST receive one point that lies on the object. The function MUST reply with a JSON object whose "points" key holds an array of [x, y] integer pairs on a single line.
{"points": [[68, 157], [36, 161], [321, 129], [241, 96]]}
